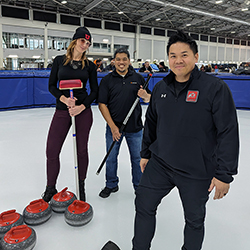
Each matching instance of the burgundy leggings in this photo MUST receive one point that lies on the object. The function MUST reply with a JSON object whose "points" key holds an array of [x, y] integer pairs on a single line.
{"points": [[58, 131]]}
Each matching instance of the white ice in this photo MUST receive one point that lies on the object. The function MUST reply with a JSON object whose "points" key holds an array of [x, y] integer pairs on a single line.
{"points": [[23, 178]]}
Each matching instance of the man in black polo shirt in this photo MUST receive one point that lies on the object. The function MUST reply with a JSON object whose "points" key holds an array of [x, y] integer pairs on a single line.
{"points": [[117, 93]]}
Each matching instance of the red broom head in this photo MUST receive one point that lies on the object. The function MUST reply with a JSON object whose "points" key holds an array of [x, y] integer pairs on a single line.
{"points": [[70, 84]]}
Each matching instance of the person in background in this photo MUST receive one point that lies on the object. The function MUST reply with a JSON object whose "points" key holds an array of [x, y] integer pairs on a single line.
{"points": [[111, 66], [162, 67], [202, 68], [208, 68], [117, 92], [190, 141], [73, 65], [99, 66], [146, 68]]}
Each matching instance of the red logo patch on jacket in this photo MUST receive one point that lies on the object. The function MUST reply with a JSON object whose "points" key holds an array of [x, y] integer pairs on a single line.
{"points": [[192, 96]]}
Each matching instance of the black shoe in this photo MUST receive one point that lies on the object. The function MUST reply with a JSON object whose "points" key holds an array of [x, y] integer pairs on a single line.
{"points": [[82, 190], [49, 193], [107, 191]]}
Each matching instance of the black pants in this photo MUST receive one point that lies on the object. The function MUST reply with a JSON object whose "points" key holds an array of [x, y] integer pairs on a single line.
{"points": [[156, 182]]}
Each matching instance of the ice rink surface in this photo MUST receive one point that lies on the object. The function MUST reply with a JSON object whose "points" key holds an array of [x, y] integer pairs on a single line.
{"points": [[23, 178]]}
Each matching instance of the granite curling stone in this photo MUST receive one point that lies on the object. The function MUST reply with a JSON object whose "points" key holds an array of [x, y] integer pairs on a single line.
{"points": [[62, 200], [19, 238], [9, 219], [78, 213], [37, 212]]}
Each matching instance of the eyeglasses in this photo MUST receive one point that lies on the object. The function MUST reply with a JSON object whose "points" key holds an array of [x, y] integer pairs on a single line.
{"points": [[84, 41]]}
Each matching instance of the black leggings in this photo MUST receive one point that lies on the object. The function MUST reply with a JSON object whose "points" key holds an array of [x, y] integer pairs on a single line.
{"points": [[58, 131]]}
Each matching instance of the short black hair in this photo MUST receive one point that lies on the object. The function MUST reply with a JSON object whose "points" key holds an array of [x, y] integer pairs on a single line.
{"points": [[122, 50], [182, 37]]}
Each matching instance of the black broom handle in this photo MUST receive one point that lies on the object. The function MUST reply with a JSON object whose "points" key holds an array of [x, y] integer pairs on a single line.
{"points": [[123, 125]]}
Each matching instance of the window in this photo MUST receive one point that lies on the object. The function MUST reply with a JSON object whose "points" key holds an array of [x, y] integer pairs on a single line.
{"points": [[70, 20], [41, 43], [21, 42], [36, 43], [6, 40], [112, 26], [194, 36], [31, 43], [92, 23], [244, 43], [129, 28], [14, 41], [26, 41], [221, 40], [15, 12], [213, 39], [145, 30], [44, 16], [204, 38], [117, 46], [49, 43], [104, 45], [170, 33], [236, 41], [159, 32]]}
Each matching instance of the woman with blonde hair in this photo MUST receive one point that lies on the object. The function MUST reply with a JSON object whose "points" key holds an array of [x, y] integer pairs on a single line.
{"points": [[73, 65]]}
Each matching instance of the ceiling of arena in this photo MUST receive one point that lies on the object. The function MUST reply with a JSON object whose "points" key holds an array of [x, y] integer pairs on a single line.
{"points": [[228, 18]]}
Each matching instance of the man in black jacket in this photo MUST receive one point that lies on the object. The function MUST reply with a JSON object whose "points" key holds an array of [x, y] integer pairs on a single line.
{"points": [[117, 93], [190, 142], [146, 68]]}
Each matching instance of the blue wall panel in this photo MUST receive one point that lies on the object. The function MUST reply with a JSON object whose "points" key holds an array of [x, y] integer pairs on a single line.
{"points": [[22, 89]]}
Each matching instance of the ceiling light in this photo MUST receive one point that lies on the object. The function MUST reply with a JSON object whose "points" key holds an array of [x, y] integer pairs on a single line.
{"points": [[189, 24], [105, 40], [244, 9], [13, 56], [212, 28], [36, 57], [157, 19], [120, 12], [218, 2], [232, 32], [63, 2]]}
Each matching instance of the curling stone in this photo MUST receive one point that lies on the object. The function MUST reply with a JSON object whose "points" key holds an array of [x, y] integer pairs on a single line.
{"points": [[110, 246], [19, 238], [62, 200], [37, 212], [78, 213], [9, 219]]}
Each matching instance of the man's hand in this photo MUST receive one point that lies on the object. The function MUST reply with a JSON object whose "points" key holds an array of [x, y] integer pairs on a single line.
{"points": [[115, 133], [221, 188], [143, 164], [143, 94]]}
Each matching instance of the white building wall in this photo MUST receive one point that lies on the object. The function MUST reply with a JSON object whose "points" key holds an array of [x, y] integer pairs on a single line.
{"points": [[150, 46]]}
